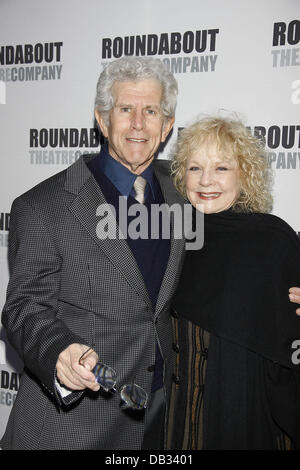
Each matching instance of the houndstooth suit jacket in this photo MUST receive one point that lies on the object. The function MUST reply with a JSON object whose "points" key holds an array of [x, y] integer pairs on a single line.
{"points": [[66, 283]]}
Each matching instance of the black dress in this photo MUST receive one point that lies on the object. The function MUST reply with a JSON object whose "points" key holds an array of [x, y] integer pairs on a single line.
{"points": [[236, 383]]}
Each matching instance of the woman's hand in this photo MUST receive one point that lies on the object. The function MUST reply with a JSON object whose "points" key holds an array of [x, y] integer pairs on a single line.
{"points": [[294, 295]]}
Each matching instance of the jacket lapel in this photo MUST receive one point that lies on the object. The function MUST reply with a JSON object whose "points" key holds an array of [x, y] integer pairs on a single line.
{"points": [[88, 197], [172, 272]]}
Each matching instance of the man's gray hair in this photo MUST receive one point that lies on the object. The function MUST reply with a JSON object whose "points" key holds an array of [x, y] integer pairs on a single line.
{"points": [[134, 69]]}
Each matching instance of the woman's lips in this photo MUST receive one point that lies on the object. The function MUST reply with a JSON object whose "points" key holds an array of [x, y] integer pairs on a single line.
{"points": [[208, 196]]}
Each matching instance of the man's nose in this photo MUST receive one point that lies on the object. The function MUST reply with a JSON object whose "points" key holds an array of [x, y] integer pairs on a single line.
{"points": [[138, 120]]}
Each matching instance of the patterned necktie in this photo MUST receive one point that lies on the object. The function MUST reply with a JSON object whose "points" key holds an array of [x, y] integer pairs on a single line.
{"points": [[139, 187]]}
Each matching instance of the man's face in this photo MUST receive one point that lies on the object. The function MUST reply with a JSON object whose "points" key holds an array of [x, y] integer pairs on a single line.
{"points": [[136, 124]]}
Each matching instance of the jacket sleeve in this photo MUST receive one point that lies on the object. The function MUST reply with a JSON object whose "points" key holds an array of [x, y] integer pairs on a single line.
{"points": [[29, 314], [283, 382]]}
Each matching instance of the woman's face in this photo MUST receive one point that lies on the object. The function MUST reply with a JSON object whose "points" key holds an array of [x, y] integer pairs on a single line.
{"points": [[212, 180]]}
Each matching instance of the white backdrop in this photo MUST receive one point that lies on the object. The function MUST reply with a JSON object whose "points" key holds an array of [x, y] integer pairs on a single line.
{"points": [[236, 56]]}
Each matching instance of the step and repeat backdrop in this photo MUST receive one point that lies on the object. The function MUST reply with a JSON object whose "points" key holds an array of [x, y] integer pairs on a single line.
{"points": [[228, 57]]}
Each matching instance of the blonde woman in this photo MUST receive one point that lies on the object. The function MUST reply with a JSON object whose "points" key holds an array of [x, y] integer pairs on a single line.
{"points": [[236, 383]]}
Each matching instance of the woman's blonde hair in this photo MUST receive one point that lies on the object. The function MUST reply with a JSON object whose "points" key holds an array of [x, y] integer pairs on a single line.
{"points": [[233, 139]]}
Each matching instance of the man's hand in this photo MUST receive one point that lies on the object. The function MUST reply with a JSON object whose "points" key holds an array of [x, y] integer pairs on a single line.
{"points": [[294, 294], [75, 375]]}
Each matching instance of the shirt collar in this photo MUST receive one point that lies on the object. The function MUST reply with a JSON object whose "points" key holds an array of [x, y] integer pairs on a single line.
{"points": [[120, 176]]}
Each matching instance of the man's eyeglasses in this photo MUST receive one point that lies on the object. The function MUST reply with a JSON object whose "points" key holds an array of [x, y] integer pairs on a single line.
{"points": [[132, 395]]}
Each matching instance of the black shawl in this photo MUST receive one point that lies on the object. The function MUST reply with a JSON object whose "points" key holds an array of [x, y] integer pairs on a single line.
{"points": [[236, 287]]}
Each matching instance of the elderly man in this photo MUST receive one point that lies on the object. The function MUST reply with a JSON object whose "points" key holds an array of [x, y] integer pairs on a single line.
{"points": [[76, 297]]}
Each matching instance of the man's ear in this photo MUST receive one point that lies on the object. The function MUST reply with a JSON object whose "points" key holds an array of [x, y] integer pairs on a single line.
{"points": [[101, 123], [167, 128]]}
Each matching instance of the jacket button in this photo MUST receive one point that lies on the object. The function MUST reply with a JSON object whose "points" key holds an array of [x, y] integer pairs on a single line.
{"points": [[151, 368], [175, 347], [204, 353], [174, 313], [176, 379]]}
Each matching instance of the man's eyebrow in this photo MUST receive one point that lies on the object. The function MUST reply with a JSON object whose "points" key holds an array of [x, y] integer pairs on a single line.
{"points": [[120, 105]]}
